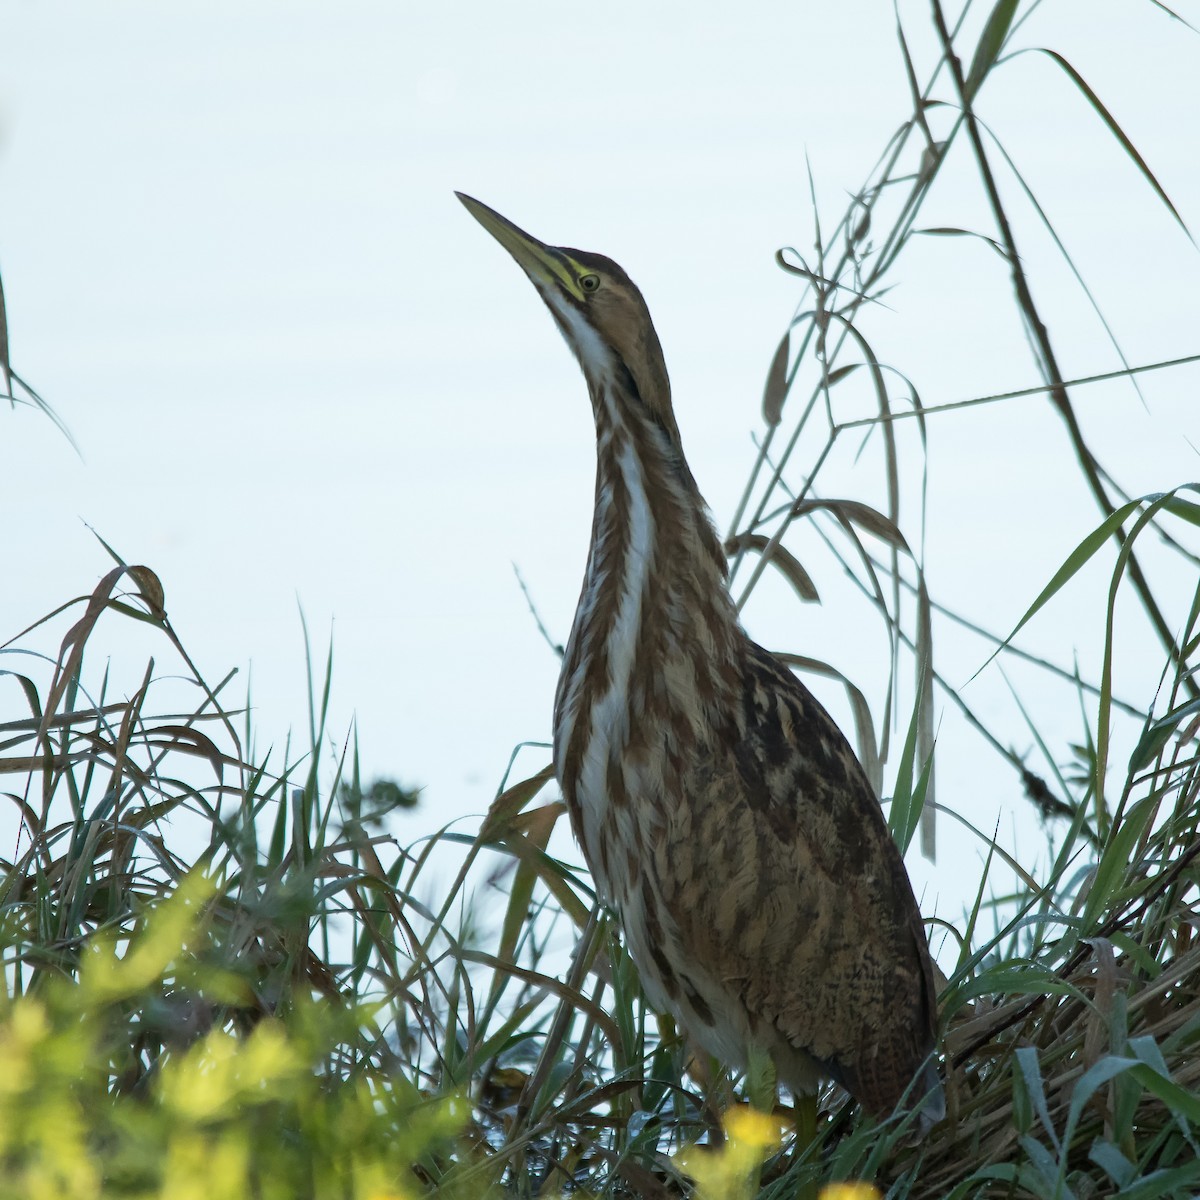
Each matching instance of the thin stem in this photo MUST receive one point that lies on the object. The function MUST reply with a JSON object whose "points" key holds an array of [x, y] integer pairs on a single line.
{"points": [[1045, 355]]}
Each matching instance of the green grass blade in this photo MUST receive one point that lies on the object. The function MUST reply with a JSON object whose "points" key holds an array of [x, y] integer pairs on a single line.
{"points": [[1075, 562], [991, 41], [1117, 132]]}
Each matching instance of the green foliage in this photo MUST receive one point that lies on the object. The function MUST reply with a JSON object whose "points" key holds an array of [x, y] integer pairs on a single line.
{"points": [[226, 1109], [191, 1007]]}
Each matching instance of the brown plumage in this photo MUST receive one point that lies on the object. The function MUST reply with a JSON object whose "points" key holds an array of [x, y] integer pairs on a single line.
{"points": [[723, 814]]}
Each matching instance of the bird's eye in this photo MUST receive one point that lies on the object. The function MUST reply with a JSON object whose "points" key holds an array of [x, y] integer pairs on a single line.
{"points": [[589, 283]]}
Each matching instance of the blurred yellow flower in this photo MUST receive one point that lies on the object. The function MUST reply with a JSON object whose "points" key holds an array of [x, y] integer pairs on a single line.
{"points": [[753, 1129], [731, 1172], [850, 1191], [222, 1071], [107, 975], [25, 1029]]}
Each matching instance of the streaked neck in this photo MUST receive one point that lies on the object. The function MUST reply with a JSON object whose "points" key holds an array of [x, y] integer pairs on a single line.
{"points": [[655, 632]]}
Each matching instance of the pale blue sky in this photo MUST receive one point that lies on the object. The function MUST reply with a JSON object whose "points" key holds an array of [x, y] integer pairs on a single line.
{"points": [[297, 369]]}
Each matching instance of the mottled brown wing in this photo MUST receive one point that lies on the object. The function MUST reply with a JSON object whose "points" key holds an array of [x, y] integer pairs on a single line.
{"points": [[808, 915]]}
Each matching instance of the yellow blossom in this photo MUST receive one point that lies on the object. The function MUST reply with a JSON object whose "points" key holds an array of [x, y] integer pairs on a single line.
{"points": [[755, 1130]]}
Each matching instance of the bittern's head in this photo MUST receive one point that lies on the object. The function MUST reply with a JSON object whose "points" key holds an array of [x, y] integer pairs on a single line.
{"points": [[598, 308]]}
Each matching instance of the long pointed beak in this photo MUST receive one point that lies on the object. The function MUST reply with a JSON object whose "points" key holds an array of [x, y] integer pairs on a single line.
{"points": [[544, 265]]}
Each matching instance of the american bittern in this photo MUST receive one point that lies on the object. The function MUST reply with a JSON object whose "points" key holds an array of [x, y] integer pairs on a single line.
{"points": [[722, 813]]}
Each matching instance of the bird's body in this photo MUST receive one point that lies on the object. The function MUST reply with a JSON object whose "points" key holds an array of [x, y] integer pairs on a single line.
{"points": [[722, 813]]}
